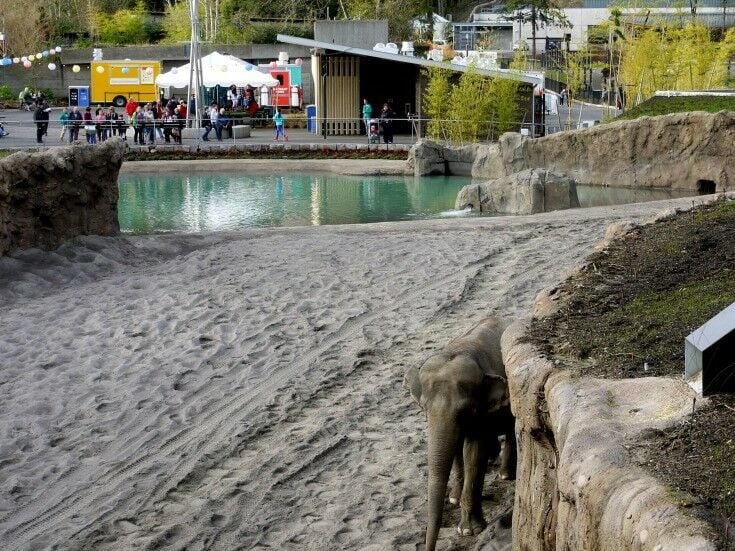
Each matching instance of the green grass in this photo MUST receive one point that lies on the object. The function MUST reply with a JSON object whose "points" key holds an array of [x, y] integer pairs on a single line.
{"points": [[685, 306], [663, 106]]}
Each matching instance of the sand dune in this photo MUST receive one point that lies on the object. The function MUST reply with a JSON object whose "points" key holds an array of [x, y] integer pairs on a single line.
{"points": [[241, 391]]}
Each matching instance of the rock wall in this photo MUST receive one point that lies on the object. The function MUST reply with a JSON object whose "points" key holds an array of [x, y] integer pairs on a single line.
{"points": [[677, 151], [577, 486], [54, 195]]}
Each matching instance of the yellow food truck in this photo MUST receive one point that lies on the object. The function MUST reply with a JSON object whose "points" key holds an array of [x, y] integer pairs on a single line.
{"points": [[113, 82]]}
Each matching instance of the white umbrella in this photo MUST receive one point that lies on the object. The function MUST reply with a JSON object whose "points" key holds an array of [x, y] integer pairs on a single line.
{"points": [[217, 69]]}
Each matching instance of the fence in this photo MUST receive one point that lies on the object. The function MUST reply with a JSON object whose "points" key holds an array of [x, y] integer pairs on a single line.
{"points": [[406, 131]]}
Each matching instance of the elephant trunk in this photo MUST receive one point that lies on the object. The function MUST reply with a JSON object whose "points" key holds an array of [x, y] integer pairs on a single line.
{"points": [[443, 439]]}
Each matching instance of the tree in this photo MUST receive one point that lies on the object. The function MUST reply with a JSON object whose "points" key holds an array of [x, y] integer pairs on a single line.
{"points": [[670, 58], [124, 26], [399, 13], [504, 97], [469, 108], [176, 22], [537, 13], [436, 100]]}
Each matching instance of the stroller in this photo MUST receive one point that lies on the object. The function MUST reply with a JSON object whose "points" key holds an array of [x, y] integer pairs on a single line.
{"points": [[374, 131]]}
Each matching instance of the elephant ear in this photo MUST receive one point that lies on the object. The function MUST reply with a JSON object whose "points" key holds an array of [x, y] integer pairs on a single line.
{"points": [[412, 383], [497, 392]]}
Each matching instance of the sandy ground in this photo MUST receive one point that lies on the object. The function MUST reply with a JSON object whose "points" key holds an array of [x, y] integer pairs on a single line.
{"points": [[243, 391]]}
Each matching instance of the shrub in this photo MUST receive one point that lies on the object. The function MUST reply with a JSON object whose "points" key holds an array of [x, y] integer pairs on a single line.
{"points": [[6, 94]]}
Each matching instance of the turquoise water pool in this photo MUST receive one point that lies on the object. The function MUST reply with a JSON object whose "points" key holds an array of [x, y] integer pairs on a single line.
{"points": [[175, 202]]}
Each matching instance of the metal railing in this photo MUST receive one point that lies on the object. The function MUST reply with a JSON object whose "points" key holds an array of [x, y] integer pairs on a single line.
{"points": [[405, 130]]}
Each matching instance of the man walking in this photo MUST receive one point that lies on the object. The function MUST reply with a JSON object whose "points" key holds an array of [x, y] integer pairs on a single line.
{"points": [[41, 116]]}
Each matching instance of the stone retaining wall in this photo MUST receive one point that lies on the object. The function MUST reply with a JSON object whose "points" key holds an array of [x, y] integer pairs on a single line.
{"points": [[228, 145], [678, 151], [54, 195], [577, 486]]}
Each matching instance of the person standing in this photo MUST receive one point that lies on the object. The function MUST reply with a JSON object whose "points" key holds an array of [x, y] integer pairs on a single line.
{"points": [[64, 122], [130, 107], [206, 124], [278, 121], [101, 126], [112, 118], [149, 121], [158, 115], [89, 128], [367, 114], [75, 121], [386, 123], [562, 96], [214, 123], [41, 116], [136, 121]]}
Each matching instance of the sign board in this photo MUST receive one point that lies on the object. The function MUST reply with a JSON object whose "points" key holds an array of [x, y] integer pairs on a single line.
{"points": [[711, 350]]}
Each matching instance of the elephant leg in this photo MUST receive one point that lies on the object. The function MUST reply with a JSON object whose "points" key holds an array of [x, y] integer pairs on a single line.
{"points": [[455, 493], [508, 456], [476, 453]]}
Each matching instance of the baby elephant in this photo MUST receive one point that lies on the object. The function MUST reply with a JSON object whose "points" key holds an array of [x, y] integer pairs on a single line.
{"points": [[464, 392]]}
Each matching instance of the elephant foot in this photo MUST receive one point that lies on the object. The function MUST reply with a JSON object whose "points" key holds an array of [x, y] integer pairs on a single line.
{"points": [[455, 495], [505, 474], [471, 524]]}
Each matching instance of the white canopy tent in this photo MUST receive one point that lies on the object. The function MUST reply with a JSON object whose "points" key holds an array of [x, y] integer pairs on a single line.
{"points": [[217, 69]]}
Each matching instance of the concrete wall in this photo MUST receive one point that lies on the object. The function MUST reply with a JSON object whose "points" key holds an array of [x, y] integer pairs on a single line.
{"points": [[360, 34], [51, 196], [174, 55], [677, 151]]}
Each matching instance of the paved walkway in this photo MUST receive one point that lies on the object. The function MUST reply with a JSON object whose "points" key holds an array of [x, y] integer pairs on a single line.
{"points": [[22, 135], [23, 131]]}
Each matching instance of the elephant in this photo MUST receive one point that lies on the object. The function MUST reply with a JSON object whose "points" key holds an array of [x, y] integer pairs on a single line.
{"points": [[464, 392]]}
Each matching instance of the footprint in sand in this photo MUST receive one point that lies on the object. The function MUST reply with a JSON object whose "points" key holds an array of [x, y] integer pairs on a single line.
{"points": [[182, 381], [126, 525]]}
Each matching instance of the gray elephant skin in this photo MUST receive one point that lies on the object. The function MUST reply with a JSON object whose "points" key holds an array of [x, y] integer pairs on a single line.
{"points": [[464, 392]]}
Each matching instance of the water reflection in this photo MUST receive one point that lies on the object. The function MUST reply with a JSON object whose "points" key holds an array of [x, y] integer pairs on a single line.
{"points": [[225, 201], [597, 196], [206, 202]]}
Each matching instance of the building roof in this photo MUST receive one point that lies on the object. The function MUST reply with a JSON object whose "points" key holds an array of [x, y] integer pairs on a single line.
{"points": [[530, 77]]}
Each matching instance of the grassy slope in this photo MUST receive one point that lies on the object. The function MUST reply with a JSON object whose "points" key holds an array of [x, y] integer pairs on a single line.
{"points": [[663, 106]]}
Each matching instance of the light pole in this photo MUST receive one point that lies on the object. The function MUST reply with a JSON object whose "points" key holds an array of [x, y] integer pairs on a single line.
{"points": [[195, 67]]}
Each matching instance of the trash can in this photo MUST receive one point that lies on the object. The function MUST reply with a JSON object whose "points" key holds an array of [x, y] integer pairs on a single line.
{"points": [[311, 119], [78, 96]]}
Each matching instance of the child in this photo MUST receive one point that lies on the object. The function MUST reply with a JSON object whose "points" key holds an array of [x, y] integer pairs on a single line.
{"points": [[64, 120], [278, 120]]}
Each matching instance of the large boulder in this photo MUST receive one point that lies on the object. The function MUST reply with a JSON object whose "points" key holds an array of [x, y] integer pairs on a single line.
{"points": [[427, 158], [525, 192], [51, 196]]}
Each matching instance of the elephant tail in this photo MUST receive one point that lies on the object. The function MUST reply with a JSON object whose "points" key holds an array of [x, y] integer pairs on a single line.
{"points": [[443, 441]]}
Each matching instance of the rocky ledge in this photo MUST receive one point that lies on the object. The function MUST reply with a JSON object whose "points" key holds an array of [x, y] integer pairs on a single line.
{"points": [[678, 151], [50, 196]]}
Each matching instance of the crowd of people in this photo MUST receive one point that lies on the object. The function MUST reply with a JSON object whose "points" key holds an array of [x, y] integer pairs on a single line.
{"points": [[156, 120], [164, 120], [150, 122]]}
